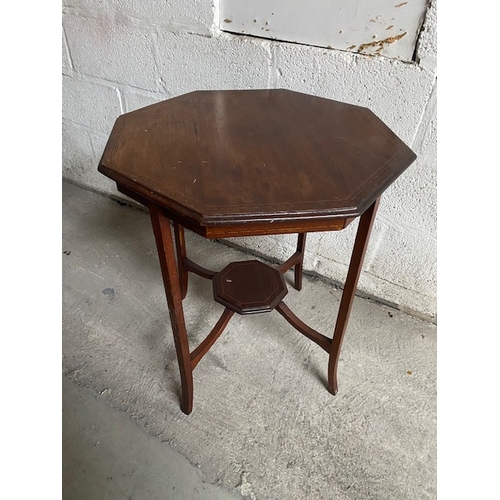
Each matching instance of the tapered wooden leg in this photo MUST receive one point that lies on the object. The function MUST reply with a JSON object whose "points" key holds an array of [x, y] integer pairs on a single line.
{"points": [[180, 244], [301, 246], [169, 271], [357, 257]]}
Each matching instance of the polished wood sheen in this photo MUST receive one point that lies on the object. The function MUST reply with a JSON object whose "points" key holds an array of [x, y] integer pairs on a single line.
{"points": [[283, 157], [248, 163]]}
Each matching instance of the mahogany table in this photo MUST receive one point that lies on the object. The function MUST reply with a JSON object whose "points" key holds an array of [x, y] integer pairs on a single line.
{"points": [[252, 162]]}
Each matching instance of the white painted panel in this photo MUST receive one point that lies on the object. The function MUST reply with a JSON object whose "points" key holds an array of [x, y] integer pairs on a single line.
{"points": [[377, 27]]}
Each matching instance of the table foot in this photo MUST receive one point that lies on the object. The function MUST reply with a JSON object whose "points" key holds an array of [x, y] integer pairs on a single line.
{"points": [[333, 387]]}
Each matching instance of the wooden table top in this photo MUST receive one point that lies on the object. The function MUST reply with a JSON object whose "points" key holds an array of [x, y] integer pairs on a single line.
{"points": [[254, 159]]}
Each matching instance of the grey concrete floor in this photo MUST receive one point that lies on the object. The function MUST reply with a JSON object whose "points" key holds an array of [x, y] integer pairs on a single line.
{"points": [[107, 455], [263, 425]]}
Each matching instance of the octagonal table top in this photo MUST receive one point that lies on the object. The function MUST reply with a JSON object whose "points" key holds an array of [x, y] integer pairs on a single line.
{"points": [[254, 158]]}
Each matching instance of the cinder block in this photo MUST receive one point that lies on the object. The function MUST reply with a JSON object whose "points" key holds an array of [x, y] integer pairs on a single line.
{"points": [[278, 247], [79, 160], [112, 49], [407, 260], [411, 201], [98, 141], [396, 92], [137, 100], [195, 15], [399, 267], [426, 53], [336, 246], [189, 62], [77, 156], [90, 104]]}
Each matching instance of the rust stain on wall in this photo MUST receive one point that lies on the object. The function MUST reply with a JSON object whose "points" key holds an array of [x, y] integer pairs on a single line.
{"points": [[365, 28], [380, 43]]}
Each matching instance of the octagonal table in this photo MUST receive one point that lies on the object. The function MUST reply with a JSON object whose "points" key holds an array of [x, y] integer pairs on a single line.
{"points": [[252, 162]]}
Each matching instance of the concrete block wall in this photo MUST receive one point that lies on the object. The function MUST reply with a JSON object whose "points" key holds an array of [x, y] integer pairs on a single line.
{"points": [[120, 55]]}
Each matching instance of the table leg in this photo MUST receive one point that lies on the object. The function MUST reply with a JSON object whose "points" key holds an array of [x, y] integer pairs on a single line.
{"points": [[301, 246], [357, 257], [180, 244], [169, 271]]}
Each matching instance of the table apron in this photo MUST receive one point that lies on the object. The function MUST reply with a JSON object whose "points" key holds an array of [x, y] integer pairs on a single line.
{"points": [[258, 228]]}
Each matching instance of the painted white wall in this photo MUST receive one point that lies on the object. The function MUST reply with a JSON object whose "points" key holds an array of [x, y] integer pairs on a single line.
{"points": [[376, 27], [120, 55]]}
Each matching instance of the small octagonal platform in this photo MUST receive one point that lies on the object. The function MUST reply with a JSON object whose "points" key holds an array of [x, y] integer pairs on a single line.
{"points": [[249, 287]]}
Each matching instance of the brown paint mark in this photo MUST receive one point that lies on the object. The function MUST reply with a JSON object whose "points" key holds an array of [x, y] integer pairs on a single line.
{"points": [[228, 20], [400, 5], [409, 372], [389, 27], [351, 47], [381, 43]]}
